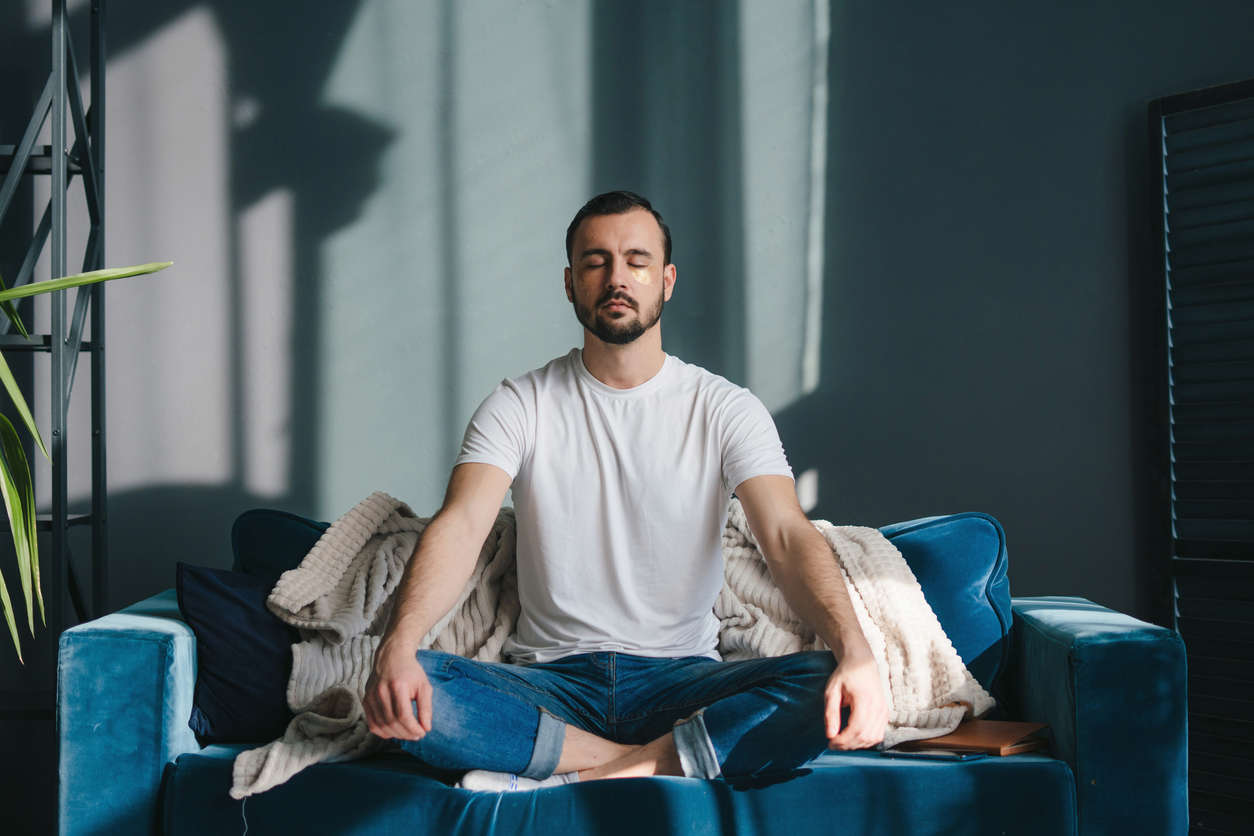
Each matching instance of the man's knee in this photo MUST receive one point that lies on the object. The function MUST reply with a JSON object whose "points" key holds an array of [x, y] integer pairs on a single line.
{"points": [[819, 663], [436, 663]]}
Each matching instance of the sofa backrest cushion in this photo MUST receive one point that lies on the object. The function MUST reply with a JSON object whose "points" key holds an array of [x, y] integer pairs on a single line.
{"points": [[960, 561], [267, 542]]}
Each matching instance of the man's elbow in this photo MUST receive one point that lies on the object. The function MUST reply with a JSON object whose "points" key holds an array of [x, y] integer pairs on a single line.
{"points": [[790, 545]]}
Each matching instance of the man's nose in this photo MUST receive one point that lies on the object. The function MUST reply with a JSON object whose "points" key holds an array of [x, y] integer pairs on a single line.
{"points": [[620, 274]]}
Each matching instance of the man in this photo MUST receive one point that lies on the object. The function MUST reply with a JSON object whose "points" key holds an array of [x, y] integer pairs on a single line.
{"points": [[622, 460]]}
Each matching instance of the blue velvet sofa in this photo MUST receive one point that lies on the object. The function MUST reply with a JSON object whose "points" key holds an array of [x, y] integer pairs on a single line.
{"points": [[1111, 688]]}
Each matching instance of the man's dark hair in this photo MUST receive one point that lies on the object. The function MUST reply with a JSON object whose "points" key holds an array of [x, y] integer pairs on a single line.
{"points": [[616, 203]]}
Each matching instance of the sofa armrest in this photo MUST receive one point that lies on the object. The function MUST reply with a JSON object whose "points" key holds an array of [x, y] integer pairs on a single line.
{"points": [[1113, 691], [124, 693]]}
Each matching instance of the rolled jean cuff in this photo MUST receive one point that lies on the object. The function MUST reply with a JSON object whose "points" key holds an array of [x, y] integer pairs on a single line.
{"points": [[696, 750], [550, 735]]}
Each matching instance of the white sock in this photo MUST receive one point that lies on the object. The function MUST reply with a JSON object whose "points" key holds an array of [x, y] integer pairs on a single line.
{"points": [[482, 779]]}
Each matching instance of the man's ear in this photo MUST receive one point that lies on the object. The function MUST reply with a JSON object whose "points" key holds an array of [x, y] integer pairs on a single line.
{"points": [[669, 274], [570, 291]]}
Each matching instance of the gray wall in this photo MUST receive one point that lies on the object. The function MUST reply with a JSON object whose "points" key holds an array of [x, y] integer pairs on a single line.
{"points": [[989, 265], [365, 205], [923, 241]]}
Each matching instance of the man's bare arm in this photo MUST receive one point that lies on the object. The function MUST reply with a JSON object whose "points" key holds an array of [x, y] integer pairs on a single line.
{"points": [[806, 572], [433, 579]]}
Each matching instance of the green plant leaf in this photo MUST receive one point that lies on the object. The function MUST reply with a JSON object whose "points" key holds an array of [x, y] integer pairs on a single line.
{"points": [[8, 616], [13, 459], [79, 279], [32, 532], [10, 310], [15, 480], [15, 394]]}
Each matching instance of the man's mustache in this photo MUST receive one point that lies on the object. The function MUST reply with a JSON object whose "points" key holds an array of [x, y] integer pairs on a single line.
{"points": [[616, 297]]}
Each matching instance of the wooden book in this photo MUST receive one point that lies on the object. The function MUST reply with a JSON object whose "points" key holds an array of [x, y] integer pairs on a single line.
{"points": [[993, 737]]}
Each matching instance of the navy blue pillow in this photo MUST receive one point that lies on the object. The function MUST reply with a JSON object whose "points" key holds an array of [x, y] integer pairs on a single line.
{"points": [[268, 542], [243, 656]]}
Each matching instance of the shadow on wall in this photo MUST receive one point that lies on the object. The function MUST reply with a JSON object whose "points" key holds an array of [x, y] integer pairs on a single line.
{"points": [[678, 143], [666, 123], [327, 159]]}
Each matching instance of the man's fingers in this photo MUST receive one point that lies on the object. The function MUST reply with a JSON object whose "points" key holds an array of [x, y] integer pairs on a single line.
{"points": [[836, 716], [383, 716], [424, 708], [403, 712], [387, 719], [860, 729]]}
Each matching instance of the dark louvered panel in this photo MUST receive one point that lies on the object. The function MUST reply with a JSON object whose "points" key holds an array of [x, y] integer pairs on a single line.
{"points": [[1183, 220], [1220, 134], [1214, 471], [1206, 171], [1199, 178], [1219, 431], [1186, 316], [1203, 414], [1195, 235], [1213, 391], [1214, 509], [1215, 195], [1211, 812], [1236, 149], [1184, 121], [1237, 289], [1201, 579], [1215, 531], [1186, 353], [1214, 550], [1208, 168], [1224, 271], [1212, 492], [1213, 643], [1211, 669], [1218, 251]]}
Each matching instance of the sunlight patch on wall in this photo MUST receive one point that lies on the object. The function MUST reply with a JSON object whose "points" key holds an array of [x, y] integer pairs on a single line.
{"points": [[783, 82], [169, 397], [808, 490], [815, 243], [450, 279], [265, 236]]}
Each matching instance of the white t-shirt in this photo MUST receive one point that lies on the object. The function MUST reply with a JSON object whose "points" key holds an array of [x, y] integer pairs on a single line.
{"points": [[621, 498]]}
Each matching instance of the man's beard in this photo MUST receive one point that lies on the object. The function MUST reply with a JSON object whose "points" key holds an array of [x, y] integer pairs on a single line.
{"points": [[616, 333]]}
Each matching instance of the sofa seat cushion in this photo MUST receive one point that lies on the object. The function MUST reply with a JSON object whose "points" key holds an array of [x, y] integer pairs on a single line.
{"points": [[857, 792]]}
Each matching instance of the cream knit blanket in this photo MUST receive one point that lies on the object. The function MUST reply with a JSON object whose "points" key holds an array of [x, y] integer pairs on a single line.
{"points": [[341, 595]]}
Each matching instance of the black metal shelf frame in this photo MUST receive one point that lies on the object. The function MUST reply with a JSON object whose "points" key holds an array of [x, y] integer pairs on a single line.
{"points": [[62, 104]]}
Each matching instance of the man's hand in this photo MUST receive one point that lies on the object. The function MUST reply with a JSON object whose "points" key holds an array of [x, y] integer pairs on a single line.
{"points": [[856, 683], [396, 682]]}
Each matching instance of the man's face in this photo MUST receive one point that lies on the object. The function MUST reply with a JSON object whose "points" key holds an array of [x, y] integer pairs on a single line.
{"points": [[616, 280]]}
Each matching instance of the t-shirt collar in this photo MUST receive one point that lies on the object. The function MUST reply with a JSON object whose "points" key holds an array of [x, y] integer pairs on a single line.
{"points": [[649, 385]]}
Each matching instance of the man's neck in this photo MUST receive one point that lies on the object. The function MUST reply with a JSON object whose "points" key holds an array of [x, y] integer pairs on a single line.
{"points": [[624, 366]]}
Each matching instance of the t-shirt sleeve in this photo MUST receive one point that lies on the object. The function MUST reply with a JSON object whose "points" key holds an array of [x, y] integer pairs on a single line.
{"points": [[751, 445], [497, 433]]}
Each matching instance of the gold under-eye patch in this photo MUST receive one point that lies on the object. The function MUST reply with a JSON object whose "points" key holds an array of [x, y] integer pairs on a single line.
{"points": [[642, 275]]}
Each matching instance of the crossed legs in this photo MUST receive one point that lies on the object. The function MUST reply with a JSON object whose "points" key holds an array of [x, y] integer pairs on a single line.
{"points": [[758, 715], [595, 757]]}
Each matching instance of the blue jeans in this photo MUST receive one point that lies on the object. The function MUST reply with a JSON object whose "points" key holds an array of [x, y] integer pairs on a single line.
{"points": [[735, 719]]}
